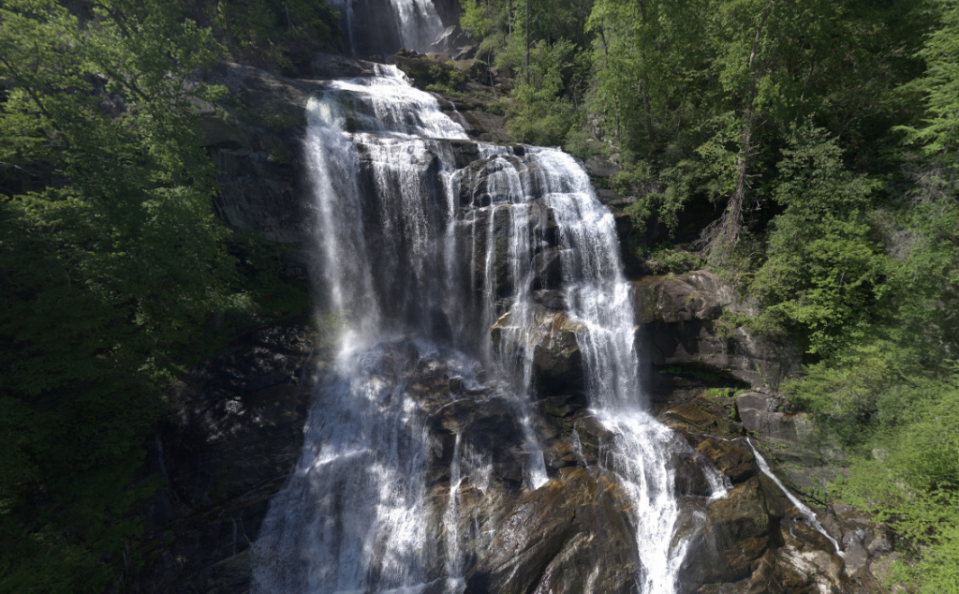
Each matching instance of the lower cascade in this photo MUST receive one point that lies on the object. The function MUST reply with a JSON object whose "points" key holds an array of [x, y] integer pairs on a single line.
{"points": [[471, 280]]}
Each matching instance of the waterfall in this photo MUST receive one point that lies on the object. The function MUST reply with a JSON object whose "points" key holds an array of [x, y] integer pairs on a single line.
{"points": [[598, 297], [420, 257]]}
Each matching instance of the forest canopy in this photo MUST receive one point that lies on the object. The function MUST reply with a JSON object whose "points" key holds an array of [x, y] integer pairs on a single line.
{"points": [[114, 271]]}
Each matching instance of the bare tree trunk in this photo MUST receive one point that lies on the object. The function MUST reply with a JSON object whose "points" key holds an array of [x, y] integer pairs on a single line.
{"points": [[527, 42], [644, 84], [720, 238]]}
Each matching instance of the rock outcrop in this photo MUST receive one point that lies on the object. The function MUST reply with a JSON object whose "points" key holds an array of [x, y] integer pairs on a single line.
{"points": [[557, 362], [680, 317], [755, 539]]}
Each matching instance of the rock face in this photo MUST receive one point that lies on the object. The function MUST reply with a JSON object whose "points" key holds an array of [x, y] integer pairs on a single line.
{"points": [[755, 539], [557, 362], [235, 433], [556, 538], [680, 318], [255, 138]]}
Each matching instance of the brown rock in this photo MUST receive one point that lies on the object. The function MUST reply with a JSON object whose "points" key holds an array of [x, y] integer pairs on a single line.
{"points": [[680, 312], [736, 534], [728, 458]]}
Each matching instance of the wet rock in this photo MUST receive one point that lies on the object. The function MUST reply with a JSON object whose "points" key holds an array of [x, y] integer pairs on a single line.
{"points": [[532, 535], [727, 457], [571, 530], [803, 564], [550, 337], [736, 534], [690, 470], [699, 415]]}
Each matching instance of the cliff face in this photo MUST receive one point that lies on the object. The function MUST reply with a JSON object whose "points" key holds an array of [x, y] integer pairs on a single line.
{"points": [[237, 421]]}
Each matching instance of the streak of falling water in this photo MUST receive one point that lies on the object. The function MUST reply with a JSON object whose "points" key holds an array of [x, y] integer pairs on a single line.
{"points": [[454, 567], [808, 515]]}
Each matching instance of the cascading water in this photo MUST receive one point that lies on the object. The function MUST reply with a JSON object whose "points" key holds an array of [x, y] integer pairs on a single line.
{"points": [[599, 299], [420, 258], [808, 515]]}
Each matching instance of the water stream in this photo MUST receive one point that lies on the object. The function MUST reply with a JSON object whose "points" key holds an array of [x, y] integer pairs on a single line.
{"points": [[808, 515]]}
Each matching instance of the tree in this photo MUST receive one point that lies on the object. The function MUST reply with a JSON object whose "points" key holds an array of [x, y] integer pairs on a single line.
{"points": [[111, 265]]}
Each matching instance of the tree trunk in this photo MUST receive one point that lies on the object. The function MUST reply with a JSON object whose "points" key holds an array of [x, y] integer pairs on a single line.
{"points": [[721, 238], [527, 42]]}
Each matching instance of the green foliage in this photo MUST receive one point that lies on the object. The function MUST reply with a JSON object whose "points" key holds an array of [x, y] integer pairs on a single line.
{"points": [[474, 19], [114, 272], [547, 104], [938, 133], [273, 34], [911, 481], [665, 205], [823, 272], [445, 78], [717, 392], [665, 258], [538, 112]]}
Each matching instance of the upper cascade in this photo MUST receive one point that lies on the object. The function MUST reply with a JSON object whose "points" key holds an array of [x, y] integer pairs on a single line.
{"points": [[383, 103], [381, 27]]}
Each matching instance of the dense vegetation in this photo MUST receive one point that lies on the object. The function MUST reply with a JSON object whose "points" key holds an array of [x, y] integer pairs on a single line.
{"points": [[809, 151], [114, 272]]}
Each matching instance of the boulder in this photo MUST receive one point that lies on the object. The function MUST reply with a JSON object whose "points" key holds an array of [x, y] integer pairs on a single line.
{"points": [[571, 535], [599, 166], [700, 415], [727, 457], [548, 339], [668, 299], [736, 533]]}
